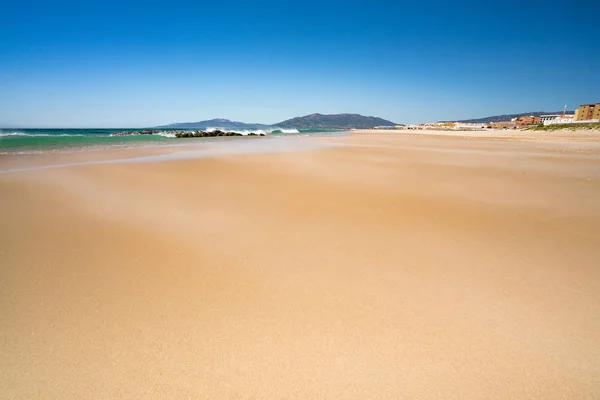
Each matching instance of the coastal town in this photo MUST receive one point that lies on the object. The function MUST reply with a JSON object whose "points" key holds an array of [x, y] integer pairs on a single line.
{"points": [[585, 116]]}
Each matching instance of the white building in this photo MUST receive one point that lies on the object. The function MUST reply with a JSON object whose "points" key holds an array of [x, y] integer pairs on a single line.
{"points": [[467, 125], [558, 119], [549, 117]]}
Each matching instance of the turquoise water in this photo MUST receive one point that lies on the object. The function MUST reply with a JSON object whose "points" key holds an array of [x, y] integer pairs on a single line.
{"points": [[40, 140], [32, 141]]}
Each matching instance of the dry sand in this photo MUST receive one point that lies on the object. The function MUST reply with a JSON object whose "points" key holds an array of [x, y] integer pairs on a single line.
{"points": [[392, 265]]}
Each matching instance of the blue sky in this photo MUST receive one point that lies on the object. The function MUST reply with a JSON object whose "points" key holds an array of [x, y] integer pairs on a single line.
{"points": [[136, 64]]}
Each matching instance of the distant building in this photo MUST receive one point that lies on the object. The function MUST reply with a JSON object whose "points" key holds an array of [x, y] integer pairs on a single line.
{"points": [[468, 126], [387, 128], [504, 125], [587, 112], [561, 119], [527, 120], [549, 117]]}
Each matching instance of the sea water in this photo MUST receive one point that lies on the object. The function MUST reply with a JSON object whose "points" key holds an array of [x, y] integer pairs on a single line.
{"points": [[33, 141]]}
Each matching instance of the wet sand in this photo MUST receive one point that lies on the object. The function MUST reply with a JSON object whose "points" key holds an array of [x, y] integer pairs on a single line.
{"points": [[377, 265]]}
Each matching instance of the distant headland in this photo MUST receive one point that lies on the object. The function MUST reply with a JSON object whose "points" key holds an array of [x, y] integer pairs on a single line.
{"points": [[312, 121]]}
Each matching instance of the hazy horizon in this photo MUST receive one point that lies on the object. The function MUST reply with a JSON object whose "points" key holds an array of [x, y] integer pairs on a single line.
{"points": [[134, 65]]}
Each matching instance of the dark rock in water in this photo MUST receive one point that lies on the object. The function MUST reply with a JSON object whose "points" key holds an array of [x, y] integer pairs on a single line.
{"points": [[142, 132], [215, 133], [184, 134], [124, 133]]}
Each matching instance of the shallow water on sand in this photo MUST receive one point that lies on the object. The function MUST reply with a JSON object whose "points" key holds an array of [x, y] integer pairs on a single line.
{"points": [[39, 141], [217, 147]]}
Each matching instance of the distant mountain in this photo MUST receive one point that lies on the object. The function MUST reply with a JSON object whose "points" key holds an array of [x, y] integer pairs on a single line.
{"points": [[224, 124], [508, 117], [312, 121], [333, 121]]}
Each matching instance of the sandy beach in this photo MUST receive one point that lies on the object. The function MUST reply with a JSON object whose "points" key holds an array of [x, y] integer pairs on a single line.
{"points": [[377, 265]]}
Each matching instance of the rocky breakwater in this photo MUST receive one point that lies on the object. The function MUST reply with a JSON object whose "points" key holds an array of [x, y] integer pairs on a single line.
{"points": [[184, 134], [142, 132], [212, 134]]}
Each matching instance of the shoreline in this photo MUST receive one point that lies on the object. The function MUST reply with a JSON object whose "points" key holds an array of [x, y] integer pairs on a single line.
{"points": [[39, 141], [202, 142], [159, 153]]}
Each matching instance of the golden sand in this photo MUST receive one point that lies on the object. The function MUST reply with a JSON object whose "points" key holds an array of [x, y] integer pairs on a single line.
{"points": [[390, 266]]}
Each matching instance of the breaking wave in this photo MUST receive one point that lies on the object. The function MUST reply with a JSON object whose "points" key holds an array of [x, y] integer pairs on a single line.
{"points": [[244, 132], [23, 134], [166, 134], [257, 131], [292, 130]]}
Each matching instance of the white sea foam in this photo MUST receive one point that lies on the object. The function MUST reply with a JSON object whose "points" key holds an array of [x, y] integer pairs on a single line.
{"points": [[257, 131], [166, 134], [244, 132], [4, 134]]}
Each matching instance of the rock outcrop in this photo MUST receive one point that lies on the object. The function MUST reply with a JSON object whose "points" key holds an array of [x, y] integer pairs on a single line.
{"points": [[184, 134], [142, 132], [213, 134]]}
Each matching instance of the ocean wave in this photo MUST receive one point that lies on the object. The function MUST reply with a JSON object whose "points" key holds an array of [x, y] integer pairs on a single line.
{"points": [[292, 130], [23, 134], [257, 131], [244, 132], [165, 134]]}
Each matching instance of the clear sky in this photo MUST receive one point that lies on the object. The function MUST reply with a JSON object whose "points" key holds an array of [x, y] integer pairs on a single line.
{"points": [[135, 64]]}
